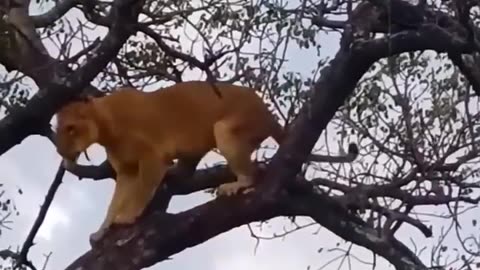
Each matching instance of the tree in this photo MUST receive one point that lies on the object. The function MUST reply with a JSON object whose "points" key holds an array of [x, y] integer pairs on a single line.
{"points": [[403, 84]]}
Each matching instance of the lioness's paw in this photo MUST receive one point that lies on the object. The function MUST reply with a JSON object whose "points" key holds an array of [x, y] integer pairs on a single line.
{"points": [[97, 236]]}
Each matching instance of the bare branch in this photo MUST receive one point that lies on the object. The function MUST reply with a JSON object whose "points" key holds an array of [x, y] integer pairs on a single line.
{"points": [[22, 257], [35, 116], [202, 179], [468, 65]]}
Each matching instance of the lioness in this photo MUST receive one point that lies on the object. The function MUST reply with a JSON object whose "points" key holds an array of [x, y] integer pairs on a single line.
{"points": [[143, 132]]}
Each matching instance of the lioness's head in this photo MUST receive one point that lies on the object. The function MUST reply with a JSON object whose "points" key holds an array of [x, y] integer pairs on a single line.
{"points": [[76, 128]]}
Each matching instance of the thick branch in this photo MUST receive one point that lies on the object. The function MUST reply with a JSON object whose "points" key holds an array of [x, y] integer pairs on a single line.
{"points": [[30, 120], [102, 171], [23, 25], [427, 37], [201, 179], [23, 255], [23, 50], [159, 236], [337, 220], [468, 65], [55, 13], [26, 52]]}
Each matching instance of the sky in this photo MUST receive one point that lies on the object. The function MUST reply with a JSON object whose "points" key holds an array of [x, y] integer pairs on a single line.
{"points": [[80, 206]]}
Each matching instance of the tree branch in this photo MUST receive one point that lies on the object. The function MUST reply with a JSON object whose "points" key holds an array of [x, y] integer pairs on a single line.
{"points": [[200, 180], [329, 214], [102, 171], [39, 110], [55, 13], [23, 25], [158, 236], [22, 258], [24, 49], [468, 65]]}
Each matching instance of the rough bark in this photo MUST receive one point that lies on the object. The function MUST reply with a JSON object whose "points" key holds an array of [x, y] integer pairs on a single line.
{"points": [[63, 87]]}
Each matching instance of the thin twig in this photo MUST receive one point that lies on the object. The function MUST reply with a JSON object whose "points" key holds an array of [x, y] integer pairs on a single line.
{"points": [[22, 256]]}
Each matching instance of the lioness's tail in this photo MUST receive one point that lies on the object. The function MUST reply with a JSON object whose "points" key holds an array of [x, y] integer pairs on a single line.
{"points": [[279, 134]]}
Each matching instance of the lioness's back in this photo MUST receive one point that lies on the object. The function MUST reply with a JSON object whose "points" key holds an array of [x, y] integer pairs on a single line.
{"points": [[189, 110], [203, 94], [192, 99]]}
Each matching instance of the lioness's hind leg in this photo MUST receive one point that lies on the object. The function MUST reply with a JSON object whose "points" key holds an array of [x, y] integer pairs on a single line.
{"points": [[142, 189], [237, 150]]}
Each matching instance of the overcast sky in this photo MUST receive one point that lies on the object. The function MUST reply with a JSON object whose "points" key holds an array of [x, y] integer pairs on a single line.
{"points": [[80, 207]]}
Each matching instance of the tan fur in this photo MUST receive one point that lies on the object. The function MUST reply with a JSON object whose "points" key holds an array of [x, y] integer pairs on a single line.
{"points": [[144, 132]]}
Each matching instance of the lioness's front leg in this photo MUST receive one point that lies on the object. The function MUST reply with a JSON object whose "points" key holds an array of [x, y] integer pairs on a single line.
{"points": [[120, 192], [152, 170]]}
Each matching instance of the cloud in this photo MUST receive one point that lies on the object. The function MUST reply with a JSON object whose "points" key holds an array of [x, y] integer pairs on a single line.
{"points": [[56, 217]]}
